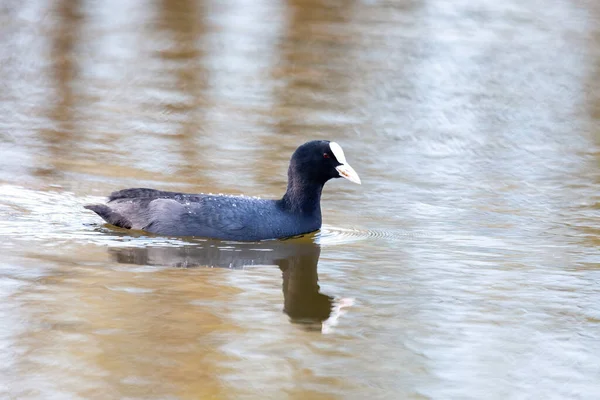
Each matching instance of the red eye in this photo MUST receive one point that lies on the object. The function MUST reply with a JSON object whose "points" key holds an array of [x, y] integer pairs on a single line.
{"points": [[325, 155]]}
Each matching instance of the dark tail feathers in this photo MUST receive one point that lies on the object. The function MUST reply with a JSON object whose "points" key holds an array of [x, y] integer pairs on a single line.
{"points": [[109, 215]]}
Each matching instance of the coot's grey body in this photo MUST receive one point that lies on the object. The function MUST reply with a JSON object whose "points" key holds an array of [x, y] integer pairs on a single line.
{"points": [[235, 217], [211, 216]]}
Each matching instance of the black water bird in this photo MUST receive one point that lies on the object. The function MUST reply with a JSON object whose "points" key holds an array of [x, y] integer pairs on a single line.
{"points": [[237, 218]]}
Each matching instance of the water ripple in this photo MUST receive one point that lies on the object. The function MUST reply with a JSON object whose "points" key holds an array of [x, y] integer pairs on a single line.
{"points": [[330, 235]]}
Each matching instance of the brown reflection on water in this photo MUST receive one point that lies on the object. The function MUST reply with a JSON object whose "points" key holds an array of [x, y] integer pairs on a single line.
{"points": [[592, 87], [182, 22], [313, 71], [140, 331], [62, 100], [112, 333]]}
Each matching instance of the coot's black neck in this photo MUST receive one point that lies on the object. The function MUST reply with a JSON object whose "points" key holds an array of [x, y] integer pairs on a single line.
{"points": [[303, 196]]}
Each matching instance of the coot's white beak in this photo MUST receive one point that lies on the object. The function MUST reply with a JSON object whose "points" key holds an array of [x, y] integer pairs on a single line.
{"points": [[345, 170]]}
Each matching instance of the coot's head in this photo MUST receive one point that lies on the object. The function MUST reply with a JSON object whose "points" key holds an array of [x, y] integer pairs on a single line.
{"points": [[319, 161]]}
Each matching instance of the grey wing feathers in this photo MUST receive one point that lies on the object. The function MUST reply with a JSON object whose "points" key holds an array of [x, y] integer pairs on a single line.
{"points": [[176, 214], [199, 218], [141, 193], [218, 218]]}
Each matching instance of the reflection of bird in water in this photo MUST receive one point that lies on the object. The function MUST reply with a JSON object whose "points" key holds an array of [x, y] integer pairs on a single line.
{"points": [[297, 259], [302, 300]]}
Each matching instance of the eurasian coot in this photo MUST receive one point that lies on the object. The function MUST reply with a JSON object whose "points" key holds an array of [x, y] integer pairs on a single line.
{"points": [[235, 217]]}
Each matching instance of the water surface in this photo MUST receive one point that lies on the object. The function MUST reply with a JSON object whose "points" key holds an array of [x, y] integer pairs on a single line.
{"points": [[466, 265]]}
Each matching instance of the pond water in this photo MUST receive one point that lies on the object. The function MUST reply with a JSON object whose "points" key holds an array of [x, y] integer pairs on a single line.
{"points": [[466, 265]]}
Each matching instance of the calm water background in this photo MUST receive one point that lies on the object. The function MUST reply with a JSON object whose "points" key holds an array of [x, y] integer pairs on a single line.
{"points": [[466, 265]]}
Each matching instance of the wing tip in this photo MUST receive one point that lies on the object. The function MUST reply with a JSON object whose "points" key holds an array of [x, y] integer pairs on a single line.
{"points": [[109, 215]]}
